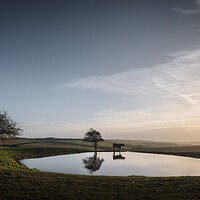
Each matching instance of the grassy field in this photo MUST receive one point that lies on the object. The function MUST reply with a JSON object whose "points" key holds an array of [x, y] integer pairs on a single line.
{"points": [[130, 145], [19, 182]]}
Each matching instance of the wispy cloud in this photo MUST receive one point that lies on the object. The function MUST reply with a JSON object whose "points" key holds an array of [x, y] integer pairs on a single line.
{"points": [[197, 2], [120, 125], [188, 12], [183, 11], [176, 79]]}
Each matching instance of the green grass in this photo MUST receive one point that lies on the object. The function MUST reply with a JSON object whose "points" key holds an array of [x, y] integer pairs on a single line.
{"points": [[19, 182], [130, 145], [40, 185]]}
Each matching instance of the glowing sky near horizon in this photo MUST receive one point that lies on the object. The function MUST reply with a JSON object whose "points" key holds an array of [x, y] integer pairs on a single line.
{"points": [[130, 69]]}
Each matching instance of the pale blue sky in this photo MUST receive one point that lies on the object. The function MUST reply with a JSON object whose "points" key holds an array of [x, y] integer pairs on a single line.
{"points": [[129, 69]]}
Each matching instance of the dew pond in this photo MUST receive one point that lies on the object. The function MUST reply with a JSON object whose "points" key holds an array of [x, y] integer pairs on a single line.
{"points": [[124, 164]]}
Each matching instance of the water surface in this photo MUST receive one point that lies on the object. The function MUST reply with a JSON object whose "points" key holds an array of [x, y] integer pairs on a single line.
{"points": [[124, 164]]}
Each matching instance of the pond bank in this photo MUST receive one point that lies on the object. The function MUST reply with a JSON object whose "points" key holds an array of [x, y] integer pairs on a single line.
{"points": [[19, 182]]}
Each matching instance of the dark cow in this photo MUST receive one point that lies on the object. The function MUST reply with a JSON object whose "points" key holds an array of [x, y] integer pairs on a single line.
{"points": [[118, 146]]}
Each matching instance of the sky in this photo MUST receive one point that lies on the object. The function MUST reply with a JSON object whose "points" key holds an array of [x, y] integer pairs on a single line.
{"points": [[127, 68]]}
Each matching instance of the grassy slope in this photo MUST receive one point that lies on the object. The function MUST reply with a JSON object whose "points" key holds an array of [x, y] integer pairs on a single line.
{"points": [[18, 182]]}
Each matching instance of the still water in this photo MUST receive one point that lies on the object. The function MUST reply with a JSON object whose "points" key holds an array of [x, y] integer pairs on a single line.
{"points": [[124, 164]]}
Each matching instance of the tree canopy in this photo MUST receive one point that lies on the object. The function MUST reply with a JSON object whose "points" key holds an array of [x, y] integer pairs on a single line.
{"points": [[94, 137], [9, 129]]}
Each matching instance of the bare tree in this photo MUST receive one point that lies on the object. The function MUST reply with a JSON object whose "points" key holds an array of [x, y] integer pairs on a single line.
{"points": [[94, 137], [9, 129]]}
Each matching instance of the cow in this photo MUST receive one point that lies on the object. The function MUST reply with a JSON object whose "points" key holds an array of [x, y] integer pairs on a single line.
{"points": [[119, 146]]}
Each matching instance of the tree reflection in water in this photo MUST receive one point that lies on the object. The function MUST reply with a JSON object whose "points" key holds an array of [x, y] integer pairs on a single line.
{"points": [[93, 163]]}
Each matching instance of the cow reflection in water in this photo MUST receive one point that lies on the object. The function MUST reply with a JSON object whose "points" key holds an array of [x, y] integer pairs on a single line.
{"points": [[93, 163], [118, 156]]}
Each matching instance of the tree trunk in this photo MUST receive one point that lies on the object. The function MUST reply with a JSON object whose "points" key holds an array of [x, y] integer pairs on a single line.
{"points": [[95, 147]]}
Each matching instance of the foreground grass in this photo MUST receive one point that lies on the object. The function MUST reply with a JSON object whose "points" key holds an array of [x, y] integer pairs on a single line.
{"points": [[19, 182]]}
